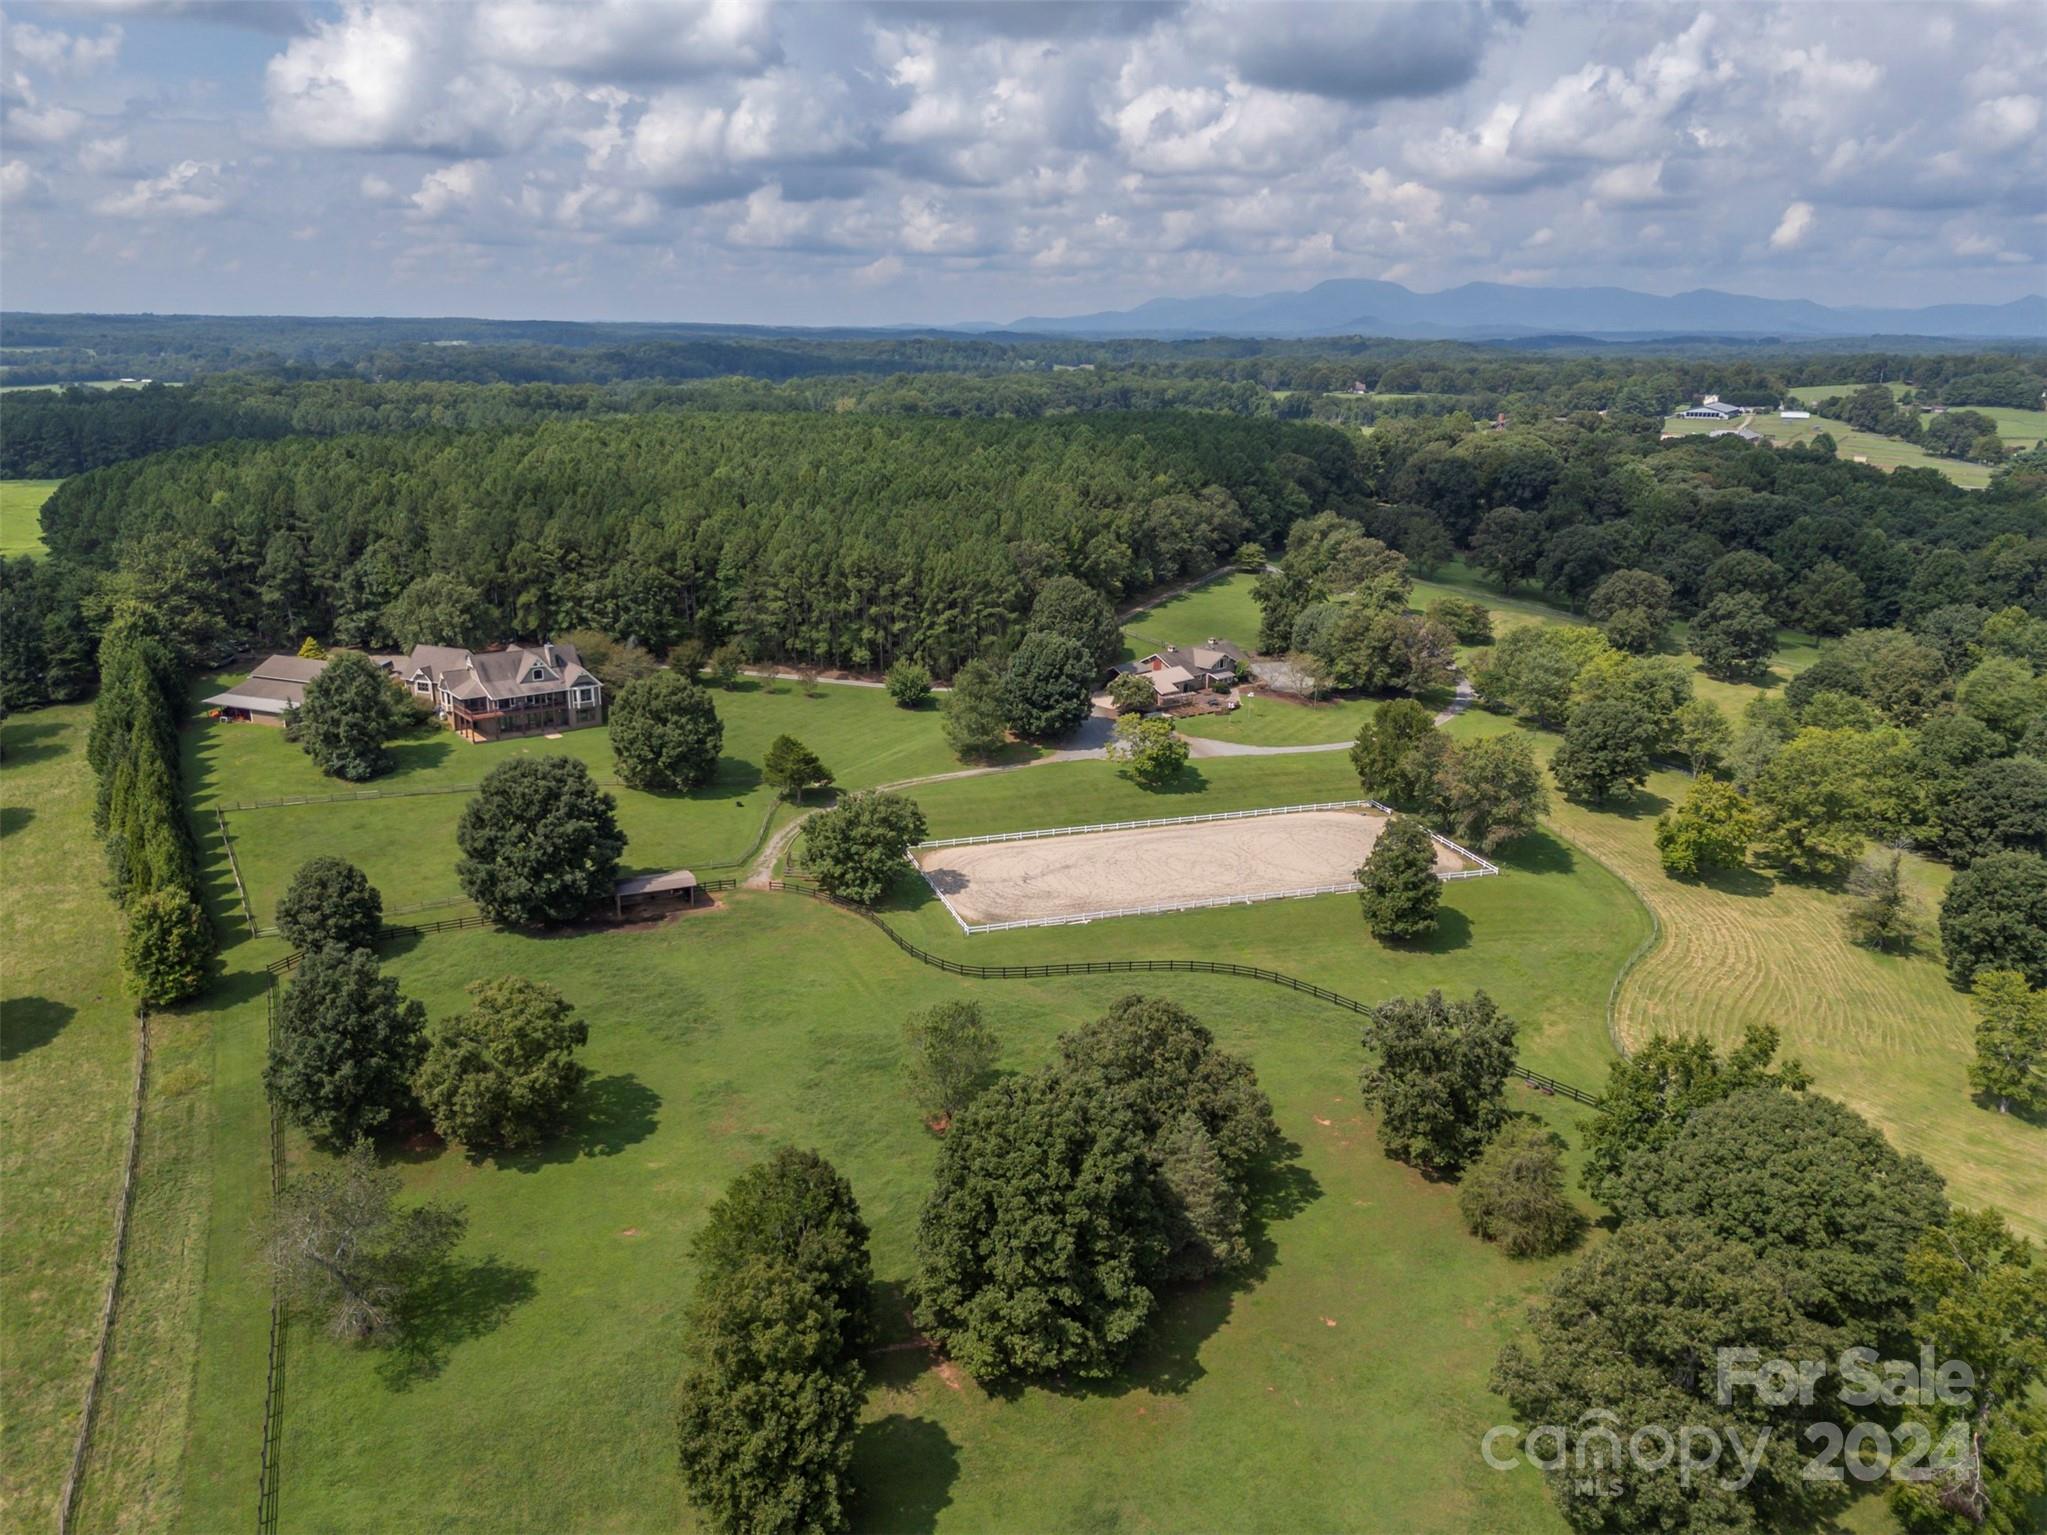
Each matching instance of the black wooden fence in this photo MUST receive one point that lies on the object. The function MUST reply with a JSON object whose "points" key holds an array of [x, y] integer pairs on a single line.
{"points": [[1534, 1079]]}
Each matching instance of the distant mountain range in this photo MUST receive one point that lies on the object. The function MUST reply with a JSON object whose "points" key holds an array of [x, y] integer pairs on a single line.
{"points": [[1487, 311]]}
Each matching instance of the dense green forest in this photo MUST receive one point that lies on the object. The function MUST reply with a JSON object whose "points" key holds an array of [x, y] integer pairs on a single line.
{"points": [[48, 435], [846, 539]]}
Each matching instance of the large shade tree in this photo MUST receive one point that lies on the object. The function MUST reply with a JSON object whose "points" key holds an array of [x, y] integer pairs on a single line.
{"points": [[346, 1047], [350, 710], [540, 841], [665, 732]]}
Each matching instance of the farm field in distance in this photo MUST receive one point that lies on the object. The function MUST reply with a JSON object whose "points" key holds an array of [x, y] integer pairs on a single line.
{"points": [[1870, 447], [20, 502]]}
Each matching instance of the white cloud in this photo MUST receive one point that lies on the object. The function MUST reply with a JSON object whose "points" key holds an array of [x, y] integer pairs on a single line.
{"points": [[20, 183], [105, 157], [189, 189], [64, 53], [457, 188], [2005, 122], [1792, 229], [628, 39], [43, 125]]}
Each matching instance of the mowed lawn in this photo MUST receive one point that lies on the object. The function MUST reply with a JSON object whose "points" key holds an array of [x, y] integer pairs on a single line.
{"points": [[1886, 1034], [404, 838], [1342, 1385], [67, 1056], [1880, 452], [21, 504]]}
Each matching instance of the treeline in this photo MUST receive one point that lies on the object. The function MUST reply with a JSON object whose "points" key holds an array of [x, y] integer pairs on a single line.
{"points": [[133, 751], [2016, 379], [845, 540], [1823, 544]]}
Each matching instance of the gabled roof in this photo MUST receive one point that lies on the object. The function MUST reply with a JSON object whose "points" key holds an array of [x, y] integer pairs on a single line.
{"points": [[288, 669], [502, 674]]}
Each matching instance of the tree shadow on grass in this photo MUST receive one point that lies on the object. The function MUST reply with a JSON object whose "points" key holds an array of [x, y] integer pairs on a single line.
{"points": [[1167, 1359], [13, 818], [25, 743], [609, 1114], [29, 1023], [419, 753], [1743, 882], [1537, 853], [460, 1300], [904, 1468]]}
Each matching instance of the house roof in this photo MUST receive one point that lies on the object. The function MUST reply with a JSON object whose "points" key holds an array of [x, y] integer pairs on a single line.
{"points": [[499, 674], [288, 669], [260, 695], [1214, 656], [655, 884], [1166, 679]]}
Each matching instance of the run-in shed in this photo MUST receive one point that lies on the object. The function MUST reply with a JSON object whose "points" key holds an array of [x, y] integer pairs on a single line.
{"points": [[678, 887]]}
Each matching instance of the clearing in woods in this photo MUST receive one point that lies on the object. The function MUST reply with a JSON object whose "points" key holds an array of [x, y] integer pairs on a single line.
{"points": [[1074, 876]]}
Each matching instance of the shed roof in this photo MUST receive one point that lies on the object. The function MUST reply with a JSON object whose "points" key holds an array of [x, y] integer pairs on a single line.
{"points": [[655, 884], [259, 696]]}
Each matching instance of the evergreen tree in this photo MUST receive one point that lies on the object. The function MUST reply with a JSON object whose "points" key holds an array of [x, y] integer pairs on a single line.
{"points": [[1401, 893], [2011, 1041], [973, 712], [1880, 908], [1204, 1208], [311, 649], [665, 732], [1514, 1193], [1077, 612], [1440, 1083], [790, 767], [166, 946]]}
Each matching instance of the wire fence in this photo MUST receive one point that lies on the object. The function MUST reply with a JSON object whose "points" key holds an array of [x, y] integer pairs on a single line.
{"points": [[88, 1417], [269, 1461], [1044, 971]]}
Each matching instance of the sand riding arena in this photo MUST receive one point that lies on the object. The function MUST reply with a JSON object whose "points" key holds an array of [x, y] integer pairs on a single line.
{"points": [[1128, 868]]}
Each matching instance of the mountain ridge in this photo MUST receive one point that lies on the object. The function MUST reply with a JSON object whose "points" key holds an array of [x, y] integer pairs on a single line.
{"points": [[1484, 310]]}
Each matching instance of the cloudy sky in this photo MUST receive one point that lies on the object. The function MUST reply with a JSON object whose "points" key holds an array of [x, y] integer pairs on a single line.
{"points": [[896, 161]]}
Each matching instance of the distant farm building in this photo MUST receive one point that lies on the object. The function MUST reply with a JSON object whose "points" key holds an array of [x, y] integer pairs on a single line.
{"points": [[1712, 408], [1794, 415]]}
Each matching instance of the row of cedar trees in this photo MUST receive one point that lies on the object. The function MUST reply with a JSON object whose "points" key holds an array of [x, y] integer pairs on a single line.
{"points": [[167, 943]]}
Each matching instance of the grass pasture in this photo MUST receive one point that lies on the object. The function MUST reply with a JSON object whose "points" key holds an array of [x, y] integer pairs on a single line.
{"points": [[1886, 1034], [710, 1046], [21, 504], [1885, 453], [405, 840]]}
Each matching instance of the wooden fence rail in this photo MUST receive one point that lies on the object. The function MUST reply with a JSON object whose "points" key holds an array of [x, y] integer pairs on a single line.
{"points": [[1534, 1079]]}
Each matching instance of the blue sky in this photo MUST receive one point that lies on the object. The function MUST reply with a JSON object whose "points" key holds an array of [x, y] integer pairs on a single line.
{"points": [[902, 161]]}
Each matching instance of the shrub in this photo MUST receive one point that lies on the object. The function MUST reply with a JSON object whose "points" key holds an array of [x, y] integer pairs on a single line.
{"points": [[502, 1075], [665, 733], [330, 901], [909, 684]]}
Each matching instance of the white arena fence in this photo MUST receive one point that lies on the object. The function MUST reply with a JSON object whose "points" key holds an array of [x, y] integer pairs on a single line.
{"points": [[1481, 867]]}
